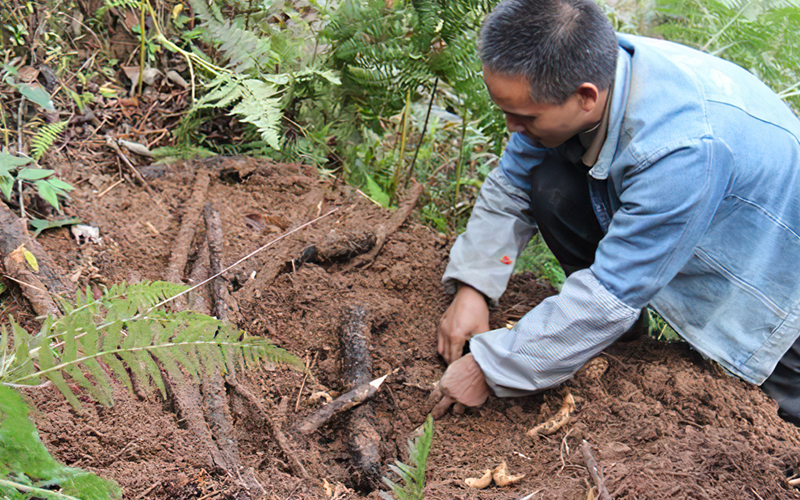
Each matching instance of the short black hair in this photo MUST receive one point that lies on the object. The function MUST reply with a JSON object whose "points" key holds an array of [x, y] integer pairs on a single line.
{"points": [[556, 45]]}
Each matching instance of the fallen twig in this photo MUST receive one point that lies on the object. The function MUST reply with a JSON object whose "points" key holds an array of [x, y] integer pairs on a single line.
{"points": [[112, 143], [339, 405], [594, 471]]}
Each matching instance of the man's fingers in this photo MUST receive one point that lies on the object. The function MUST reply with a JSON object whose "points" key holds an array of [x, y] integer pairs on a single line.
{"points": [[441, 407]]}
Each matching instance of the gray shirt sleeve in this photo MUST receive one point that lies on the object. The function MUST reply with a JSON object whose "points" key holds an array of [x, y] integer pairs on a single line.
{"points": [[498, 230], [555, 339]]}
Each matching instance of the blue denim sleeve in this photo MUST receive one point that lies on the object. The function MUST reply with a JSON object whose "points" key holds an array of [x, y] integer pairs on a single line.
{"points": [[667, 204], [519, 158]]}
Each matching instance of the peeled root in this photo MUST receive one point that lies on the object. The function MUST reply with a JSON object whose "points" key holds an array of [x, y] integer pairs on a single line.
{"points": [[499, 475], [559, 419], [502, 478], [480, 482]]}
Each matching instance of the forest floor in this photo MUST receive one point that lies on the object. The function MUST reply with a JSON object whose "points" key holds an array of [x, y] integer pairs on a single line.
{"points": [[662, 422]]}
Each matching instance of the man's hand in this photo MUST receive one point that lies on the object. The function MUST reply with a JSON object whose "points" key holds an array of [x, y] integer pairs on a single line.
{"points": [[463, 382], [468, 315]]}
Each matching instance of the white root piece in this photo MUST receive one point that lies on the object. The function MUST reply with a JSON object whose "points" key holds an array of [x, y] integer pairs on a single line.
{"points": [[480, 482], [559, 419], [503, 478]]}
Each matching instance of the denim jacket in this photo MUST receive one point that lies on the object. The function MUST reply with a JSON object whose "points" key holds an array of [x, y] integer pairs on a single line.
{"points": [[697, 188]]}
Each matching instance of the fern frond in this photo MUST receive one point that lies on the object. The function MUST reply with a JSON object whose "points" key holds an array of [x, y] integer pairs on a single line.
{"points": [[116, 4], [243, 49], [45, 138], [413, 475], [120, 332]]}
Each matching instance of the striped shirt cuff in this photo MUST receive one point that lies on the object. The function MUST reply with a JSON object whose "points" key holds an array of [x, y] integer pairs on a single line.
{"points": [[553, 340]]}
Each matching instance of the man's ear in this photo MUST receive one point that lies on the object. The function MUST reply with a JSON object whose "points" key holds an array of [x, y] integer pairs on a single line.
{"points": [[588, 95]]}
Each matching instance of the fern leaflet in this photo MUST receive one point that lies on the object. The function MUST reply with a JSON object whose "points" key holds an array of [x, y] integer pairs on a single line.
{"points": [[413, 475], [45, 138]]}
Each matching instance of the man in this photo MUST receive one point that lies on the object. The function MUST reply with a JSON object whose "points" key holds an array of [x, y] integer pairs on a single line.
{"points": [[659, 176]]}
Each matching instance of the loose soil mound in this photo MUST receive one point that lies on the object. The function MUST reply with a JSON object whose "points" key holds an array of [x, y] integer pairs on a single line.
{"points": [[662, 422]]}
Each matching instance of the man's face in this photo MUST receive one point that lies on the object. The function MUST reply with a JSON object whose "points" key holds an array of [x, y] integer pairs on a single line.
{"points": [[549, 125]]}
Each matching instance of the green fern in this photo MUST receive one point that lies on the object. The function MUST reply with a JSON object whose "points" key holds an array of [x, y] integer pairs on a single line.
{"points": [[123, 331], [116, 4], [45, 138], [413, 475], [254, 101], [243, 49]]}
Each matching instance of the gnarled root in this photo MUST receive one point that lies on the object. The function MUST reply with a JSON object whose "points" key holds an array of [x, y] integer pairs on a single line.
{"points": [[559, 419]]}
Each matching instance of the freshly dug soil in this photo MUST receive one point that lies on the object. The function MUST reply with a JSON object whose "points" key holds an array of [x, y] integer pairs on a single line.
{"points": [[662, 422]]}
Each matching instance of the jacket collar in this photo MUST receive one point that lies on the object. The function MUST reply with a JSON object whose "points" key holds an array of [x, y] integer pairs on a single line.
{"points": [[619, 100]]}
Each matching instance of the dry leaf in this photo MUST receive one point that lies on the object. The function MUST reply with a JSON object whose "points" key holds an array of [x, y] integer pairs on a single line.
{"points": [[27, 74], [135, 147], [176, 78]]}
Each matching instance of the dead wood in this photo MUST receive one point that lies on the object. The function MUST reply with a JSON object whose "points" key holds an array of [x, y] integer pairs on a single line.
{"points": [[389, 227], [594, 471], [37, 286], [183, 241], [199, 299], [339, 405], [187, 398], [272, 427], [357, 363], [225, 307]]}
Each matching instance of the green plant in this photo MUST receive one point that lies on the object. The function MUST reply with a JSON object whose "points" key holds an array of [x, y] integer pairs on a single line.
{"points": [[750, 33], [47, 185], [413, 475], [27, 470], [538, 259], [124, 330]]}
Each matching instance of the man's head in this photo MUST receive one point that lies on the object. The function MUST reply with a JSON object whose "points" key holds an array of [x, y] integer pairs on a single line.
{"points": [[548, 64]]}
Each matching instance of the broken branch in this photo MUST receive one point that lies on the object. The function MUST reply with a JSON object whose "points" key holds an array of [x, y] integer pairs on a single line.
{"points": [[341, 404], [594, 471]]}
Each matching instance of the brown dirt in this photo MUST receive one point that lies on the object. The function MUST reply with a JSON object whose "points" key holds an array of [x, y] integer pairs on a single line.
{"points": [[662, 422]]}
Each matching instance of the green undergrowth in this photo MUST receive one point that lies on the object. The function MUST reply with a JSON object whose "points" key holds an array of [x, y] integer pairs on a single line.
{"points": [[412, 475]]}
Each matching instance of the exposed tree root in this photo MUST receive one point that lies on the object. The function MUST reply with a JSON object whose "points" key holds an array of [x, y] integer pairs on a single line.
{"points": [[225, 307], [594, 471], [206, 415], [357, 363], [390, 227], [37, 286], [183, 242], [272, 427]]}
